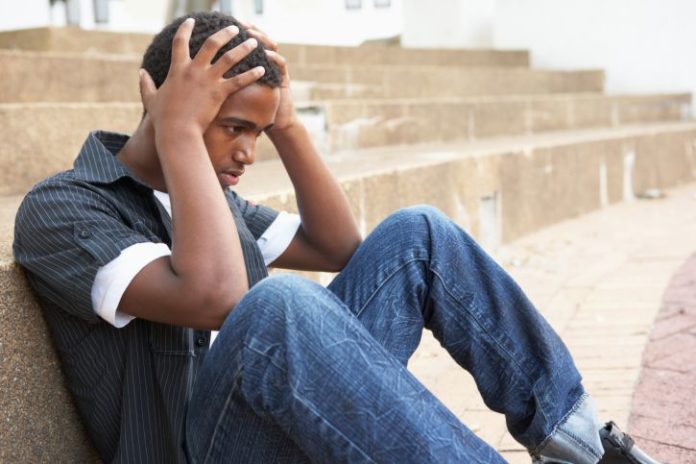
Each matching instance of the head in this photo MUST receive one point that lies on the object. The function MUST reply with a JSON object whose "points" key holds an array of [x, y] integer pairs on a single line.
{"points": [[231, 138]]}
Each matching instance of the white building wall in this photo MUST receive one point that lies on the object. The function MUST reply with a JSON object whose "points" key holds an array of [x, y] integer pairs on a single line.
{"points": [[299, 21], [643, 45], [448, 23], [323, 21], [24, 14]]}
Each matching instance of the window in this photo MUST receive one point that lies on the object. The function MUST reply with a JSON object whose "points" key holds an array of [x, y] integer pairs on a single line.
{"points": [[258, 7], [353, 4], [382, 3]]}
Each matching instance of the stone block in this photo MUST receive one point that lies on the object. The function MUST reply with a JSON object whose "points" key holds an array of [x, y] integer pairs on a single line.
{"points": [[594, 112], [39, 420], [51, 77], [547, 114], [653, 108], [499, 117], [74, 39], [100, 77], [42, 139]]}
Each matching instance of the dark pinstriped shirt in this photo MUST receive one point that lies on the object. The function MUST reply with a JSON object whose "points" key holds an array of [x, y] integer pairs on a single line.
{"points": [[131, 385]]}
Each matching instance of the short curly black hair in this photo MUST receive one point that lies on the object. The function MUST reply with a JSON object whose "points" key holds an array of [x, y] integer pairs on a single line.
{"points": [[157, 57]]}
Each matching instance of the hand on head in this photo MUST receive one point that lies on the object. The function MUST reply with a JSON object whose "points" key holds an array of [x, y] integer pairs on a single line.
{"points": [[195, 88]]}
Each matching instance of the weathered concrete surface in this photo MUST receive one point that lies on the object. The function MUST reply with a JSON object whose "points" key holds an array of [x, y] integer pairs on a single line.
{"points": [[41, 139], [392, 55], [663, 418], [69, 39], [372, 123], [538, 179], [53, 132], [30, 77], [39, 421], [439, 81], [74, 39]]}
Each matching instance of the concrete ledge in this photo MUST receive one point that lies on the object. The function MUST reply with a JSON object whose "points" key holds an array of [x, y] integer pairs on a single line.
{"points": [[391, 55], [422, 81], [53, 133], [29, 77], [45, 138], [536, 180], [71, 39], [528, 182], [74, 39], [373, 123], [39, 421]]}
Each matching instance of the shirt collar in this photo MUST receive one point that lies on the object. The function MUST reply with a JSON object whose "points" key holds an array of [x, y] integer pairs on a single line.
{"points": [[97, 162]]}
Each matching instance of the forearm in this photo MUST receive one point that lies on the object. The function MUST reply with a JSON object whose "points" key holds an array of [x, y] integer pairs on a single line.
{"points": [[206, 253], [327, 220]]}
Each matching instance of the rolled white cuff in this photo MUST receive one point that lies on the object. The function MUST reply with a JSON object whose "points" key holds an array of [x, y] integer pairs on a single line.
{"points": [[277, 237], [113, 278]]}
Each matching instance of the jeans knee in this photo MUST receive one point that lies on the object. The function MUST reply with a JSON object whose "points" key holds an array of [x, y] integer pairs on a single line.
{"points": [[416, 222], [282, 296]]}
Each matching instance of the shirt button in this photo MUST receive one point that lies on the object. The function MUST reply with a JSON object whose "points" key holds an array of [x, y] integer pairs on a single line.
{"points": [[85, 234], [201, 341]]}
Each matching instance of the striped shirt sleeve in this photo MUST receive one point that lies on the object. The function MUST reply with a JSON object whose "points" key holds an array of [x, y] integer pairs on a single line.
{"points": [[257, 217], [63, 235]]}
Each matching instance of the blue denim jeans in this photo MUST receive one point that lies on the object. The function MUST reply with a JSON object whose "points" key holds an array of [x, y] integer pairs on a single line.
{"points": [[303, 373]]}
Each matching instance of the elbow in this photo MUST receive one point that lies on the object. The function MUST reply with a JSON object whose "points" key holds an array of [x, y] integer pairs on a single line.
{"points": [[215, 302], [340, 260]]}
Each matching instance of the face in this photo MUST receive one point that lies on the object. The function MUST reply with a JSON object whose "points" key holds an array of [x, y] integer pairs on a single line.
{"points": [[231, 137]]}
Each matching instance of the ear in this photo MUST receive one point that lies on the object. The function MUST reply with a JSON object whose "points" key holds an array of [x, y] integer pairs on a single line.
{"points": [[147, 88]]}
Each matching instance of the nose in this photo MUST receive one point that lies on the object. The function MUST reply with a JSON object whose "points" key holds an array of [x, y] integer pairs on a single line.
{"points": [[245, 152]]}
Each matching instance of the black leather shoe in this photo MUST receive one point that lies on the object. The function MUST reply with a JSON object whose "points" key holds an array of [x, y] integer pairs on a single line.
{"points": [[620, 449]]}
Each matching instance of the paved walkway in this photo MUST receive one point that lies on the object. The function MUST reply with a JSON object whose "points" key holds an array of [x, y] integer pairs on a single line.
{"points": [[664, 410], [600, 281]]}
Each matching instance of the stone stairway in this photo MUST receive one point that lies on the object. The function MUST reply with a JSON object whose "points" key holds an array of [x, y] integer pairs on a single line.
{"points": [[503, 149]]}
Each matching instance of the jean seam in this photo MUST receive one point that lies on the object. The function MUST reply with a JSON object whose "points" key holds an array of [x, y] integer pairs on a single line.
{"points": [[384, 282], [217, 425], [312, 410], [557, 429], [501, 349]]}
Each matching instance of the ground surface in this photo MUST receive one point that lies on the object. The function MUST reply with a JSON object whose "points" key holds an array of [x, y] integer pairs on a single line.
{"points": [[601, 280], [663, 417]]}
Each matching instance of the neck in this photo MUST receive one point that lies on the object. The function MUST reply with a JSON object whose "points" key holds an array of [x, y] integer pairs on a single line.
{"points": [[139, 155]]}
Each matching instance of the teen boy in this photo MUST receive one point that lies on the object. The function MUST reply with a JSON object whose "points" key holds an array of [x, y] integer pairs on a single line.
{"points": [[142, 249]]}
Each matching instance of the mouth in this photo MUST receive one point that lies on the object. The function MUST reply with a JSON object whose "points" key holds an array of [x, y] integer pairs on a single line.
{"points": [[230, 177]]}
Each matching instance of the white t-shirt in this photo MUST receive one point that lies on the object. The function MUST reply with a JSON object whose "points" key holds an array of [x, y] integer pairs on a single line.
{"points": [[113, 278]]}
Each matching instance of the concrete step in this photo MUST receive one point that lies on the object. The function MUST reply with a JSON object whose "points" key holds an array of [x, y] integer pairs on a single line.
{"points": [[373, 123], [394, 55], [416, 81], [68, 39], [52, 133], [498, 189], [106, 78]]}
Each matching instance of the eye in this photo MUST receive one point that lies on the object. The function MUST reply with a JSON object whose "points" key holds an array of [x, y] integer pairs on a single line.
{"points": [[259, 134], [235, 129]]}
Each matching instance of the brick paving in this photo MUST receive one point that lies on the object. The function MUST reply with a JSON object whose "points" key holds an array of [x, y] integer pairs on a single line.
{"points": [[600, 280], [663, 418]]}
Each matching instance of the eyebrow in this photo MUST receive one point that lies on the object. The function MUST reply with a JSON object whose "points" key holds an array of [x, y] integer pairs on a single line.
{"points": [[243, 123]]}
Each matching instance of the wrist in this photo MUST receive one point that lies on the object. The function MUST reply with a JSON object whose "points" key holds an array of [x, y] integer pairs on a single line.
{"points": [[285, 128], [171, 133]]}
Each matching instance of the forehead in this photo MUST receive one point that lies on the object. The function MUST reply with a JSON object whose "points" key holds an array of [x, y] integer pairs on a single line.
{"points": [[255, 103]]}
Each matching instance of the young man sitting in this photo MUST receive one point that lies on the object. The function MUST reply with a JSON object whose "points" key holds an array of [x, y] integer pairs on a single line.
{"points": [[142, 249]]}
